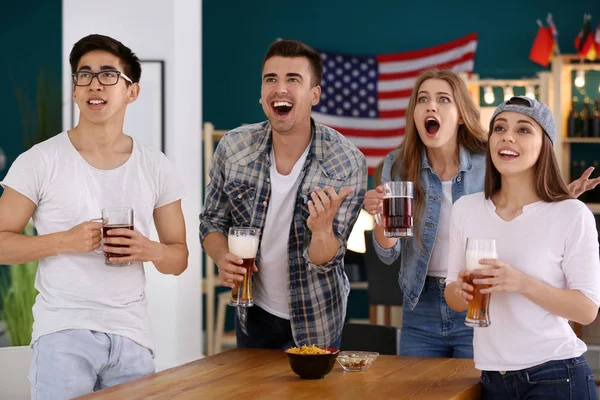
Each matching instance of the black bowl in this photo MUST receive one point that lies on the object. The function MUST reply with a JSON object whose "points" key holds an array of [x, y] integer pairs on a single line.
{"points": [[313, 366]]}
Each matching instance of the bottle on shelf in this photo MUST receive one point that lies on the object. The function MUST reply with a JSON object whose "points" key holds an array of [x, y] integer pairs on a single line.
{"points": [[596, 120], [586, 118], [573, 118]]}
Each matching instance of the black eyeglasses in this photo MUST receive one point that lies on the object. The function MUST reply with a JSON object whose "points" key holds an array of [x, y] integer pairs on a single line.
{"points": [[106, 78]]}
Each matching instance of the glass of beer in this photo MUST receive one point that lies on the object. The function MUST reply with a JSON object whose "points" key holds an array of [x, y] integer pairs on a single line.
{"points": [[398, 206], [243, 242], [478, 313], [116, 218]]}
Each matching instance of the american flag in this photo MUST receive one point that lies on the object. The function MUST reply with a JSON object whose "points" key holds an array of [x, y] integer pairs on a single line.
{"points": [[365, 97]]}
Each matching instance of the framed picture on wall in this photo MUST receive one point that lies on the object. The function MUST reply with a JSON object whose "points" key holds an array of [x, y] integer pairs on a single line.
{"points": [[144, 118]]}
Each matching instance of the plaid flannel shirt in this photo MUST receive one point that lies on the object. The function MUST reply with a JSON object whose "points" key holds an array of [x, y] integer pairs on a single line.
{"points": [[238, 195]]}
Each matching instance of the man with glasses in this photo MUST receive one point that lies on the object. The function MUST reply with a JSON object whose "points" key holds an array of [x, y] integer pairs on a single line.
{"points": [[91, 327]]}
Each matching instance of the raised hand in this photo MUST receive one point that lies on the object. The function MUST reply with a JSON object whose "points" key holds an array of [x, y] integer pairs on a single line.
{"points": [[323, 207], [583, 183]]}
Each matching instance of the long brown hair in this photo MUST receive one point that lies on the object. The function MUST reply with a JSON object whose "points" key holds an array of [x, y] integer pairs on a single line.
{"points": [[549, 184], [471, 134]]}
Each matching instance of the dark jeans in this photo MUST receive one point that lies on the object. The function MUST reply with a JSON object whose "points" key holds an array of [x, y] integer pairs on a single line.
{"points": [[562, 379], [432, 328], [267, 331]]}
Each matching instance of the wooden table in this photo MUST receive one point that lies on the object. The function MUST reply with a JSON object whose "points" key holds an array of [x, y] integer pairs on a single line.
{"points": [[265, 374]]}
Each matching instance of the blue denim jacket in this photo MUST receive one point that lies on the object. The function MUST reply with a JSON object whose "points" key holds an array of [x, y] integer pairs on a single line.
{"points": [[414, 260]]}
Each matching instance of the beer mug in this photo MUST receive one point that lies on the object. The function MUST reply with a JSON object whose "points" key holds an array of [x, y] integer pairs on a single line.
{"points": [[478, 313], [243, 242], [398, 206], [114, 218]]}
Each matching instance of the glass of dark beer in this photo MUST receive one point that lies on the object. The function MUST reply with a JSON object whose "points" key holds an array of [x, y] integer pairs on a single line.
{"points": [[478, 313], [243, 242], [116, 218], [398, 206]]}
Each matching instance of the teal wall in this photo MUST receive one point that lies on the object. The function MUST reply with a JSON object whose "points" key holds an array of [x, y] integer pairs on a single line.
{"points": [[31, 37], [236, 35]]}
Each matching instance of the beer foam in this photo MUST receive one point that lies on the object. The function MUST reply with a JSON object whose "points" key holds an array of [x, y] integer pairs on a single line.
{"points": [[472, 259], [243, 246]]}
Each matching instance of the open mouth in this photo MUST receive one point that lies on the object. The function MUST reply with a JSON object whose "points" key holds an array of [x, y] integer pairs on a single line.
{"points": [[507, 154], [432, 125], [96, 102], [282, 108]]}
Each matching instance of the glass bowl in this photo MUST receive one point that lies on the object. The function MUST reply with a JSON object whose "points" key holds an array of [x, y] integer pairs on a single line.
{"points": [[356, 360]]}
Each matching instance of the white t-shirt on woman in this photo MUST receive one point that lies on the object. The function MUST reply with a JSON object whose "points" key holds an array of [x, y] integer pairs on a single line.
{"points": [[556, 243]]}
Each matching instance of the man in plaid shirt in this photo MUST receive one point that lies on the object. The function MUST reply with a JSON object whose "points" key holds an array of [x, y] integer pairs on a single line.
{"points": [[302, 184]]}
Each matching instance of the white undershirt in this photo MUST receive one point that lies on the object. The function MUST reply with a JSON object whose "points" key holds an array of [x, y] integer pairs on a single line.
{"points": [[438, 263], [271, 282], [556, 243]]}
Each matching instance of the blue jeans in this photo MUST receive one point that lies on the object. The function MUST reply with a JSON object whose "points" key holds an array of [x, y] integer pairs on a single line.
{"points": [[553, 380], [433, 329], [267, 331], [72, 363]]}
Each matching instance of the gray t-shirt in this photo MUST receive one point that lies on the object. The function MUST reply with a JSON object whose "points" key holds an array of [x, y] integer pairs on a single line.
{"points": [[78, 291]]}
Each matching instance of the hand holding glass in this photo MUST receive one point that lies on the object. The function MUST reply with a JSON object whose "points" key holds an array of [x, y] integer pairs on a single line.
{"points": [[243, 242], [398, 205], [115, 218], [478, 313]]}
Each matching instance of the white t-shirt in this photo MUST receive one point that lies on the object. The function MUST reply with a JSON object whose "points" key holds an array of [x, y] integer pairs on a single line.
{"points": [[438, 263], [556, 243], [270, 290], [77, 291]]}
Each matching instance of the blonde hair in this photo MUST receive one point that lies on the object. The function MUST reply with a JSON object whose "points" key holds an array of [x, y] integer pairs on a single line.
{"points": [[471, 135]]}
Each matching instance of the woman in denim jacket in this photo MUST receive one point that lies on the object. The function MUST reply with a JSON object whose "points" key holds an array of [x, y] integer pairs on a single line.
{"points": [[443, 153]]}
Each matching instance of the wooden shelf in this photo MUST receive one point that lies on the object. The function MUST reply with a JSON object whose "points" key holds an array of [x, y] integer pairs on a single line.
{"points": [[594, 207], [359, 285], [581, 140]]}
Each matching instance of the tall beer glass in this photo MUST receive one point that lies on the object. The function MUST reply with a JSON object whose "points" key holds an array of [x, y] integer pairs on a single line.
{"points": [[398, 206], [243, 242], [478, 314]]}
